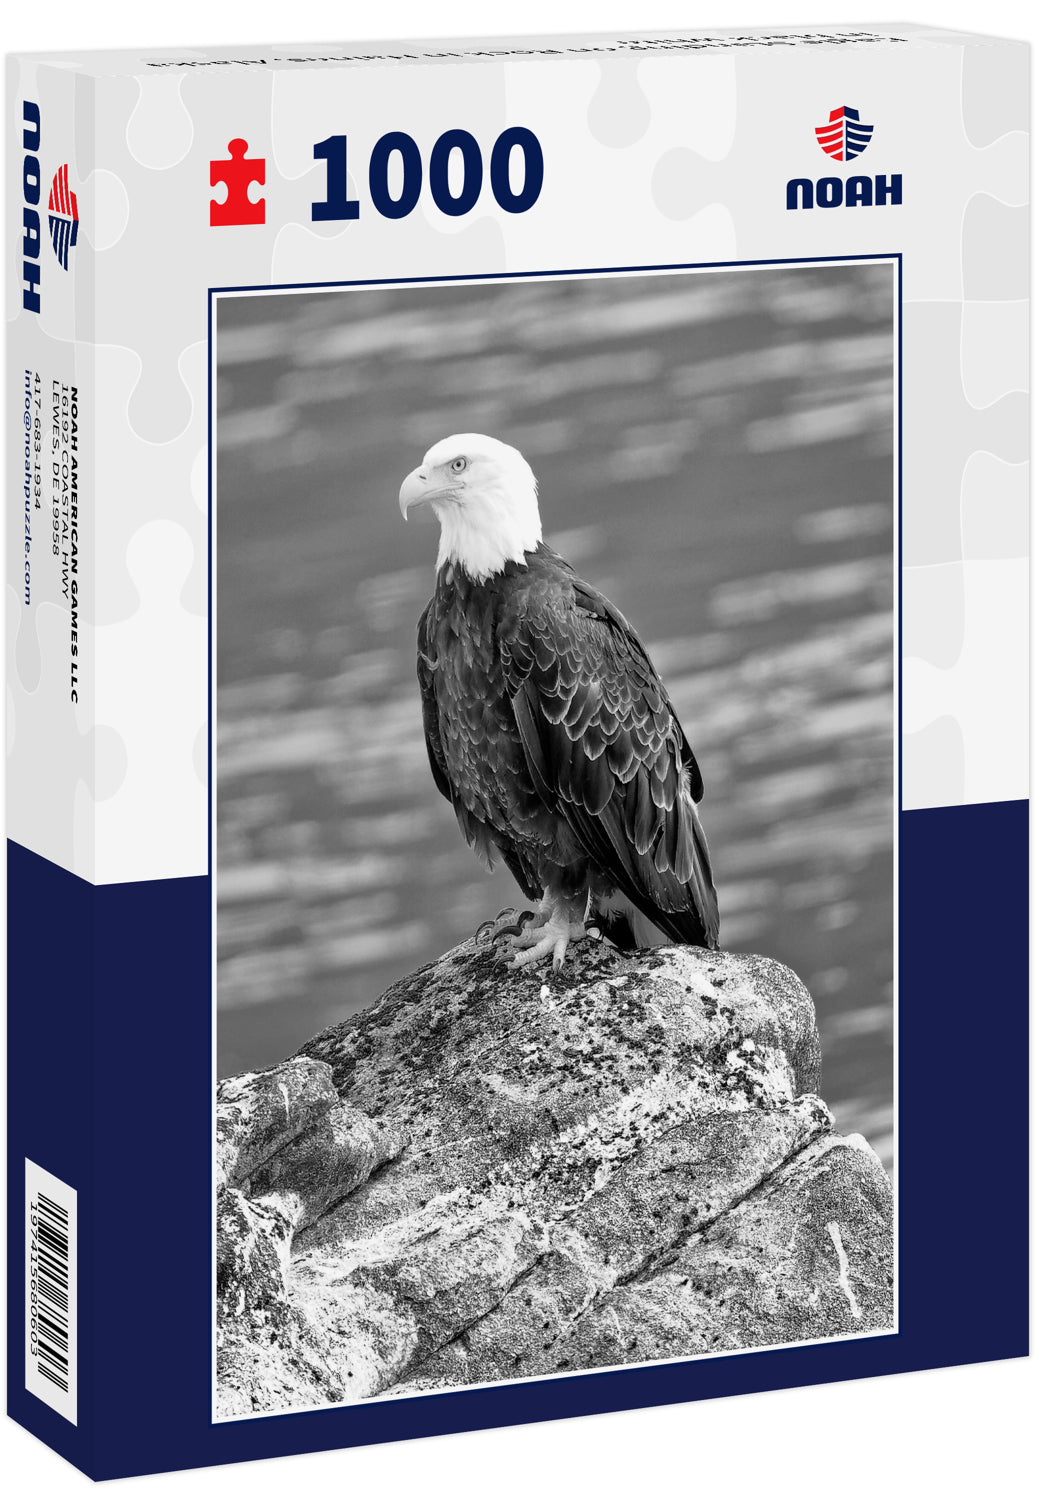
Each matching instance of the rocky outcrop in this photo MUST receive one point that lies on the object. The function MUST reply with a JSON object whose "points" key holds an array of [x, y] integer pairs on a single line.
{"points": [[493, 1174]]}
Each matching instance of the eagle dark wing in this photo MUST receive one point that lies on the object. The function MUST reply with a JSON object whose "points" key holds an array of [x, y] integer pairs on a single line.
{"points": [[607, 753], [487, 843], [425, 662]]}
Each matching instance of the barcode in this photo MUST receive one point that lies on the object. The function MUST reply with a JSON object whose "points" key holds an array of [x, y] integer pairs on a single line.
{"points": [[50, 1290]]}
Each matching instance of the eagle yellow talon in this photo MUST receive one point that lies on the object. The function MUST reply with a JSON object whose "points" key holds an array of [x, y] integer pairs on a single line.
{"points": [[550, 937]]}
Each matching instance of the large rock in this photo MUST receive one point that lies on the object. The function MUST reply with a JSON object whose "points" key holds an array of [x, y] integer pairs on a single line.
{"points": [[493, 1174]]}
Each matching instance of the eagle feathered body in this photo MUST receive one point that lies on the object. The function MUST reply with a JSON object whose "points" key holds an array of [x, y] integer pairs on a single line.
{"points": [[550, 732]]}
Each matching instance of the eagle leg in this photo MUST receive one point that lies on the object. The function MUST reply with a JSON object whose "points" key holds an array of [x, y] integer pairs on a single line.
{"points": [[559, 923]]}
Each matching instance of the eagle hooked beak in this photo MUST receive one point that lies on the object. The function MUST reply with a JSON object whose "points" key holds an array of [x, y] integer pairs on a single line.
{"points": [[417, 490], [414, 491]]}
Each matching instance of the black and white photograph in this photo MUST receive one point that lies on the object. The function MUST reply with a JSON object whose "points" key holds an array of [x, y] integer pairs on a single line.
{"points": [[553, 789]]}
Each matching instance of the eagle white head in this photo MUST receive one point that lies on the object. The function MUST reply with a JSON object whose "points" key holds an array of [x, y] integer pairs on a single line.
{"points": [[485, 497]]}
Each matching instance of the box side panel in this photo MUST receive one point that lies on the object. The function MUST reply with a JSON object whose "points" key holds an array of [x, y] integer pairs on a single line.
{"points": [[50, 717], [476, 50], [49, 1103], [50, 756]]}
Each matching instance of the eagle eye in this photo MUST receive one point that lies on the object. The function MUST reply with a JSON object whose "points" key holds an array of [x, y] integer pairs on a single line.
{"points": [[458, 464]]}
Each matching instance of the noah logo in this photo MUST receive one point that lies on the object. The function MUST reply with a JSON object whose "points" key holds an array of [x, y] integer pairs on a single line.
{"points": [[843, 138], [62, 215], [30, 206]]}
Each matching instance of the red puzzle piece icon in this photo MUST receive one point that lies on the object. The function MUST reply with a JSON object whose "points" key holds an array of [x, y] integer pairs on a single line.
{"points": [[237, 173]]}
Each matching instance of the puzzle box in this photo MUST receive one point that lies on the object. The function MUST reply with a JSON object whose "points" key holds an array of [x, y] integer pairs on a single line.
{"points": [[563, 1006]]}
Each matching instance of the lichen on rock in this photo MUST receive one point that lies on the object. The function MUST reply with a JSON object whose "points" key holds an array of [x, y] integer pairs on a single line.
{"points": [[492, 1174]]}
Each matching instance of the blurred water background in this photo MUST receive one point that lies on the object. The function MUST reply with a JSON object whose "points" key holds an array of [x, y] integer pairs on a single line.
{"points": [[715, 452]]}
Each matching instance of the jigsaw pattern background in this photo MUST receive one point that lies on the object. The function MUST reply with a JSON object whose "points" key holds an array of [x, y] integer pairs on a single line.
{"points": [[965, 479]]}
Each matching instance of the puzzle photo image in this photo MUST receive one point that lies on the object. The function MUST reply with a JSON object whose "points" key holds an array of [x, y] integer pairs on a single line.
{"points": [[566, 1152]]}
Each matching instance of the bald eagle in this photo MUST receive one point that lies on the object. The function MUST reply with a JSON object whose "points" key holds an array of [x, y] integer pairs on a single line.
{"points": [[548, 728]]}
